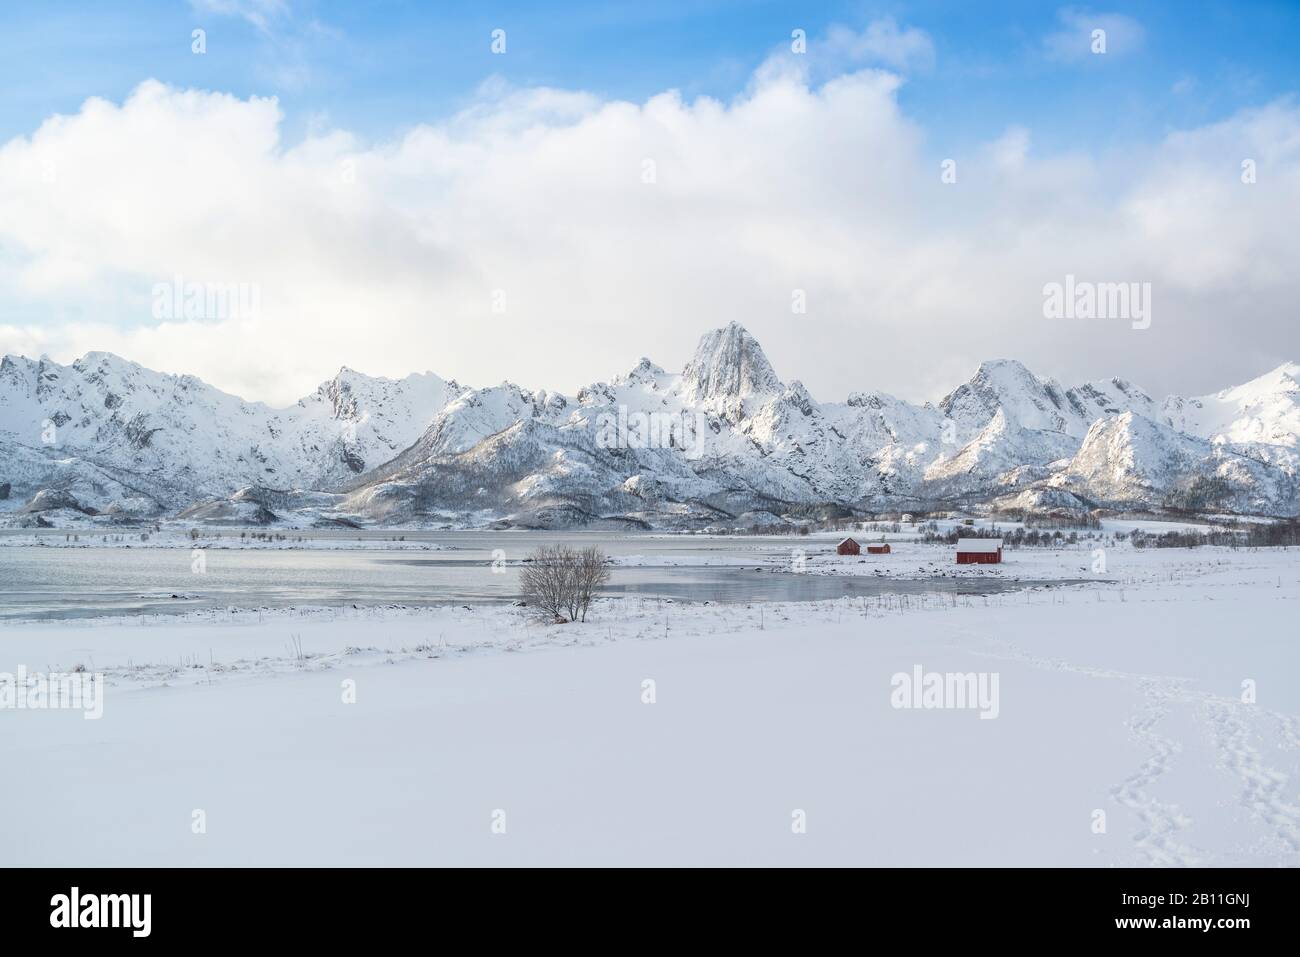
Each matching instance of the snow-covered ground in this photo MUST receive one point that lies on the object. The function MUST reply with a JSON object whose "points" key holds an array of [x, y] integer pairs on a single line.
{"points": [[1160, 702]]}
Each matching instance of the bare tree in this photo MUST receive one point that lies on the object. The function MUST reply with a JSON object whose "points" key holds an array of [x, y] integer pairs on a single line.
{"points": [[591, 571], [562, 581], [545, 579]]}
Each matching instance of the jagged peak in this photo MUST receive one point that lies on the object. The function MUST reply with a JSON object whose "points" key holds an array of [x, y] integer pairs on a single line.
{"points": [[1125, 423], [644, 371], [993, 367], [347, 374], [1120, 384], [997, 376], [11, 362], [100, 359], [1107, 397], [350, 391], [797, 395], [729, 364]]}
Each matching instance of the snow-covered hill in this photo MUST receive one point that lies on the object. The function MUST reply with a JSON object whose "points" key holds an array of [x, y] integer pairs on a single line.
{"points": [[1129, 460], [116, 436], [726, 441]]}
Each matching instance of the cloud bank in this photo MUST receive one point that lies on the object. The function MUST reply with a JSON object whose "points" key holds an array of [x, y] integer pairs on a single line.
{"points": [[553, 237]]}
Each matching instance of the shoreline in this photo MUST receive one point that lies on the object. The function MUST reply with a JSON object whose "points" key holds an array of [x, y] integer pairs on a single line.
{"points": [[445, 713], [724, 576]]}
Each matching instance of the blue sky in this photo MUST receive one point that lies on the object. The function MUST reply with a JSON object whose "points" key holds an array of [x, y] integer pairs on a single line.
{"points": [[404, 175], [379, 67]]}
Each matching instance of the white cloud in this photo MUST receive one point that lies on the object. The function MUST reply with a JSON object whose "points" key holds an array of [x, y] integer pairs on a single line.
{"points": [[1074, 40], [883, 42], [386, 256], [1010, 150]]}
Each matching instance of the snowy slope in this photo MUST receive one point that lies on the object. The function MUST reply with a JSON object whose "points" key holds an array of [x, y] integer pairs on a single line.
{"points": [[1023, 399], [103, 422], [748, 448], [770, 450], [1264, 411], [1131, 460]]}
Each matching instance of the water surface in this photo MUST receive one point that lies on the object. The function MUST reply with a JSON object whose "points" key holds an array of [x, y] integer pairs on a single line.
{"points": [[468, 567]]}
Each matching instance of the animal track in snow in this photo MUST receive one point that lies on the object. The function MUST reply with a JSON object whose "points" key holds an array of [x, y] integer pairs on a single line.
{"points": [[1232, 727]]}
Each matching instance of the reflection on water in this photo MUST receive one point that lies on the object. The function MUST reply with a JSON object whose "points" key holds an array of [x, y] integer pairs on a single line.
{"points": [[40, 582]]}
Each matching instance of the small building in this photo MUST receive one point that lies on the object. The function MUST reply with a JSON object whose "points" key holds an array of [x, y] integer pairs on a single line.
{"points": [[881, 549], [848, 547], [979, 551]]}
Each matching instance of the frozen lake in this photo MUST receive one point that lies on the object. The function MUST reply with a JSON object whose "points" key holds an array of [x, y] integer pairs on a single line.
{"points": [[466, 567]]}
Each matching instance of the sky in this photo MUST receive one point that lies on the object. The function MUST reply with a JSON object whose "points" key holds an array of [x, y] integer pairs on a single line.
{"points": [[882, 193]]}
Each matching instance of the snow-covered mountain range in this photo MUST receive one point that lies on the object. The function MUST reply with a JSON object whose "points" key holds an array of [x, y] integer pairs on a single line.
{"points": [[724, 442]]}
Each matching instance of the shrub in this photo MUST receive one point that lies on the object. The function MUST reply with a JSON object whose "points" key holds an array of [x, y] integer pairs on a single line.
{"points": [[562, 581]]}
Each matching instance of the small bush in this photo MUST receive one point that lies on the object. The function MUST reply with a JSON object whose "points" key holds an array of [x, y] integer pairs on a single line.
{"points": [[562, 581]]}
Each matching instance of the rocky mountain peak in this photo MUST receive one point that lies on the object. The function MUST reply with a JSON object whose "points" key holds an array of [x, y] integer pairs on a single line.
{"points": [[729, 364], [1006, 385]]}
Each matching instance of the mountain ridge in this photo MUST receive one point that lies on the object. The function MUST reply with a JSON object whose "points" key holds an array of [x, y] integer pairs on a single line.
{"points": [[106, 439]]}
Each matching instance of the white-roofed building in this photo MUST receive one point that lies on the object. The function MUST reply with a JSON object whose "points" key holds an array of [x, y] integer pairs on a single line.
{"points": [[979, 551]]}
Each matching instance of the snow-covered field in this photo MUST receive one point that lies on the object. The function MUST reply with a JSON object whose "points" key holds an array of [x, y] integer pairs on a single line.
{"points": [[1146, 718]]}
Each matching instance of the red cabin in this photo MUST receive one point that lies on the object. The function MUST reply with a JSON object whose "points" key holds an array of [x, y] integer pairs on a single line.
{"points": [[848, 547], [881, 549], [979, 551]]}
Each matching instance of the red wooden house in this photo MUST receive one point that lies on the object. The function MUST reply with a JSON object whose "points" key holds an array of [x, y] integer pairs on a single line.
{"points": [[881, 549], [979, 551], [848, 547]]}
